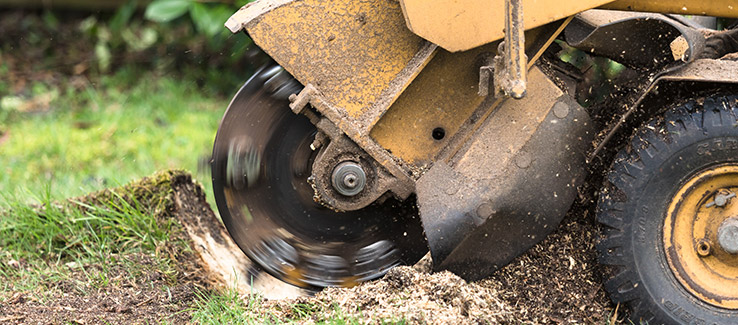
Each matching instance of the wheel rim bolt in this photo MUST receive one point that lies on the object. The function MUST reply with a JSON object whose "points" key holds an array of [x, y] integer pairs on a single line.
{"points": [[703, 248], [728, 235], [721, 198]]}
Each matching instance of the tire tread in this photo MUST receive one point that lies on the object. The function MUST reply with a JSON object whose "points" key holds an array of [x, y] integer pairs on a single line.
{"points": [[650, 145]]}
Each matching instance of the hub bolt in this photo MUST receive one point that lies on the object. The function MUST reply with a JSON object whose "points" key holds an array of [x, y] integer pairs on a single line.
{"points": [[349, 181], [728, 235], [348, 178]]}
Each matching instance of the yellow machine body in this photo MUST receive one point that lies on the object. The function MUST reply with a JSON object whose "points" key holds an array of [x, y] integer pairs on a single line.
{"points": [[402, 87], [465, 24]]}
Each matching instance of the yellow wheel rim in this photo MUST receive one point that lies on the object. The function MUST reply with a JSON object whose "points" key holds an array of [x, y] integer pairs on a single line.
{"points": [[691, 243]]}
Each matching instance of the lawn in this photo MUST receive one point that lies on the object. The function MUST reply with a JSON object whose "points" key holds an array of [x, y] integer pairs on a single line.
{"points": [[113, 256], [126, 126]]}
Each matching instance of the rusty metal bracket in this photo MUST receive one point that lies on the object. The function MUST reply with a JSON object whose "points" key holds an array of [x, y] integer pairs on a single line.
{"points": [[342, 149], [510, 64], [486, 72], [298, 102]]}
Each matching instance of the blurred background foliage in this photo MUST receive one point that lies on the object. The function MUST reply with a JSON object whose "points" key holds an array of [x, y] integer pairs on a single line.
{"points": [[98, 93], [170, 36], [49, 47]]}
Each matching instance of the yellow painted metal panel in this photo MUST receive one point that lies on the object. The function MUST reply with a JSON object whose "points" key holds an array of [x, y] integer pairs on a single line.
{"points": [[351, 51], [459, 25], [443, 96]]}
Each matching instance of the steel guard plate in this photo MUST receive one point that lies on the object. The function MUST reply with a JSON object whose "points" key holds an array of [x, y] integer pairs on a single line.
{"points": [[510, 185]]}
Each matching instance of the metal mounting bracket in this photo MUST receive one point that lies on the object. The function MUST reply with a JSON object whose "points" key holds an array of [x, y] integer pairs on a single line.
{"points": [[510, 64]]}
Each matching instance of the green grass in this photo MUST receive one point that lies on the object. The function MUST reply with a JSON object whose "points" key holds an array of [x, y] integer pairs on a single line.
{"points": [[46, 241], [126, 126], [228, 307]]}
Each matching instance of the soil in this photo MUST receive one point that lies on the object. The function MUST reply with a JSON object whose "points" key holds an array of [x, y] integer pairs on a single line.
{"points": [[557, 281], [148, 298]]}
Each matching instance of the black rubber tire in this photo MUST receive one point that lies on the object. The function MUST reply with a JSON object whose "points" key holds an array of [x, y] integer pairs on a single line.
{"points": [[632, 207]]}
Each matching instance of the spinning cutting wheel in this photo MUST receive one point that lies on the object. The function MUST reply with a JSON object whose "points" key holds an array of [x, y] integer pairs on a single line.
{"points": [[261, 163]]}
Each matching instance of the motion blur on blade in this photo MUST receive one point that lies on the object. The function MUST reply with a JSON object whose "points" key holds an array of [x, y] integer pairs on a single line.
{"points": [[262, 160]]}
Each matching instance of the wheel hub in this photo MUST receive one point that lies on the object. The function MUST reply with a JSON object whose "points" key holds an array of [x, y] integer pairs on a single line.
{"points": [[728, 235], [348, 178], [701, 236]]}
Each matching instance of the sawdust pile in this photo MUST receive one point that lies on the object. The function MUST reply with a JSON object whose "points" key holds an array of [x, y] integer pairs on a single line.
{"points": [[406, 294], [557, 281]]}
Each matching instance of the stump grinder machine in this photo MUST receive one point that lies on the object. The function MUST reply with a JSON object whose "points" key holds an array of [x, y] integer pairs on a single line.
{"points": [[384, 129]]}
